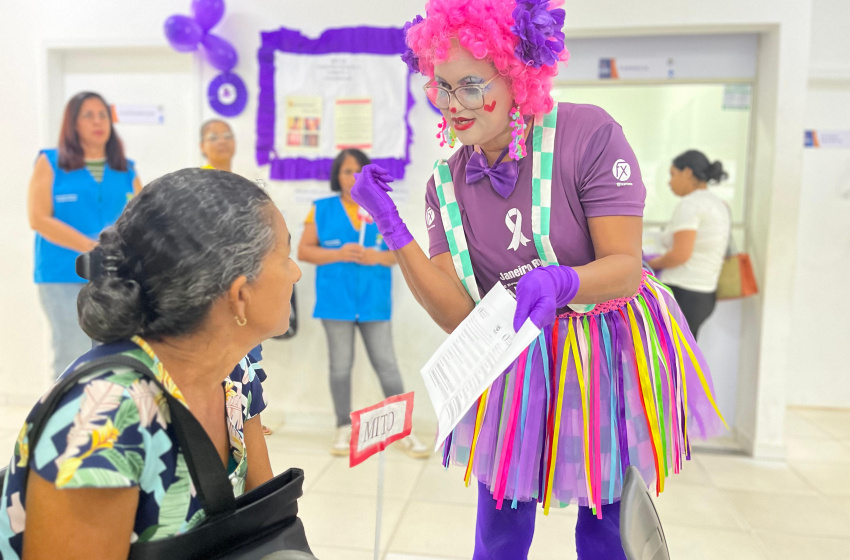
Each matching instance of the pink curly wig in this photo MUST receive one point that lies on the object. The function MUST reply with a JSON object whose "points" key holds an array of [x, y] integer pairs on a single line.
{"points": [[483, 27]]}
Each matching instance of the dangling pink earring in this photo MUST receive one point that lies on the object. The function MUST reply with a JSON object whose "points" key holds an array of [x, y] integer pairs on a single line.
{"points": [[446, 134], [518, 126]]}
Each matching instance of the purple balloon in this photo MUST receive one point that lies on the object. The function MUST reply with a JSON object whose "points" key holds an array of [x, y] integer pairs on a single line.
{"points": [[207, 12], [183, 33], [220, 53]]}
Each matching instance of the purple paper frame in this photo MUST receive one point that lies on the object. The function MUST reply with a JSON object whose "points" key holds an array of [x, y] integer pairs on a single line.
{"points": [[356, 40]]}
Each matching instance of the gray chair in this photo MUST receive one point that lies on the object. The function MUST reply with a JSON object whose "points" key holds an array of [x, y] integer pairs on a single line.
{"points": [[640, 527], [289, 555]]}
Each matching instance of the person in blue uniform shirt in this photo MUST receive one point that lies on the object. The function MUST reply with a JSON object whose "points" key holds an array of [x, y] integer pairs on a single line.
{"points": [[353, 292], [76, 191]]}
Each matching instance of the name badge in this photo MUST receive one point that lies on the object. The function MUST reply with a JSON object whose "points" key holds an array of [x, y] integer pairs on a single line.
{"points": [[71, 197]]}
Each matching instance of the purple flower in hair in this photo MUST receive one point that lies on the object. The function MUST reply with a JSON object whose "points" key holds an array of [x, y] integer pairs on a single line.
{"points": [[409, 57], [540, 32]]}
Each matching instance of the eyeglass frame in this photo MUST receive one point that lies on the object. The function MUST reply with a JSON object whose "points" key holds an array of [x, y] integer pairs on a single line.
{"points": [[91, 115], [214, 137], [451, 93]]}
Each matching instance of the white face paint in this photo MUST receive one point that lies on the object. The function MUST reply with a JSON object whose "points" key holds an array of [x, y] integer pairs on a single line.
{"points": [[488, 126]]}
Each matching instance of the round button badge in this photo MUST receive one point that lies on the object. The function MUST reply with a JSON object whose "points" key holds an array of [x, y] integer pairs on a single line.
{"points": [[227, 94]]}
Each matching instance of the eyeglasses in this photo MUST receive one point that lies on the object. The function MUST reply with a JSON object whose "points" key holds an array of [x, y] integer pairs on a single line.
{"points": [[216, 137], [470, 97], [92, 115]]}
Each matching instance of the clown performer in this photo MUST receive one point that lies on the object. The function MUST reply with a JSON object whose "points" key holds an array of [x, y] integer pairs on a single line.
{"points": [[548, 200]]}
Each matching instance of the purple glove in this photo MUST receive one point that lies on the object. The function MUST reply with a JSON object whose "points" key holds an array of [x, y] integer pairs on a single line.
{"points": [[370, 192], [541, 292]]}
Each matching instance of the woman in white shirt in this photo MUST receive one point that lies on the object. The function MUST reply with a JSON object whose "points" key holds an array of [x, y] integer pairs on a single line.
{"points": [[696, 237]]}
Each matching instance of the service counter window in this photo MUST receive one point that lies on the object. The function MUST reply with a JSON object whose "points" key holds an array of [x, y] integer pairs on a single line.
{"points": [[662, 120]]}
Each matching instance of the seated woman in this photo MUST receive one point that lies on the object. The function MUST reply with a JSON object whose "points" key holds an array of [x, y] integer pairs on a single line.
{"points": [[218, 145], [195, 273]]}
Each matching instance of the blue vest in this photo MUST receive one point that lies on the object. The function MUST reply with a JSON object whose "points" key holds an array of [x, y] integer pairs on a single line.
{"points": [[349, 291], [84, 204]]}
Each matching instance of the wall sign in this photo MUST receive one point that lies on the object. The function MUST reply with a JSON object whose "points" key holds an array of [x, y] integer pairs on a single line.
{"points": [[737, 96], [636, 68], [137, 114], [827, 139]]}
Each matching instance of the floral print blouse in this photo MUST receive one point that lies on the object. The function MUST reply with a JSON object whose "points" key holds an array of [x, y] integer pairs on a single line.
{"points": [[112, 430]]}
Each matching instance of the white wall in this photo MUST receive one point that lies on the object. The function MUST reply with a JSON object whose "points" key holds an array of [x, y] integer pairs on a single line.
{"points": [[21, 328], [818, 373], [26, 26]]}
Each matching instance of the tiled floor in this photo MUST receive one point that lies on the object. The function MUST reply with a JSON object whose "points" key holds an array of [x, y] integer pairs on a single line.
{"points": [[721, 507]]}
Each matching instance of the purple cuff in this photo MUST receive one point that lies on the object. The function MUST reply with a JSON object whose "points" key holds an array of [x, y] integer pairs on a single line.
{"points": [[393, 230], [566, 281]]}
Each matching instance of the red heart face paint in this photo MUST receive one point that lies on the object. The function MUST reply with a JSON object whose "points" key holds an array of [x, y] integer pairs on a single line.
{"points": [[489, 108]]}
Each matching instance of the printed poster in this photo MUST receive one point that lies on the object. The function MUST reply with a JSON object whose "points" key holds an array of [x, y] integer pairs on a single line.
{"points": [[303, 123], [353, 123]]}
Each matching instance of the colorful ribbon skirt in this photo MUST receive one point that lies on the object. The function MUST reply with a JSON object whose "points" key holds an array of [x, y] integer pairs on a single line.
{"points": [[624, 384]]}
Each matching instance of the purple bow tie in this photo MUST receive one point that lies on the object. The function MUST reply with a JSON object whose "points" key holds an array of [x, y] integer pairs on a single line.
{"points": [[502, 175]]}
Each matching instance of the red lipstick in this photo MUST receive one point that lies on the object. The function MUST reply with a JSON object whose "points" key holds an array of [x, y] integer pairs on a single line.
{"points": [[462, 124]]}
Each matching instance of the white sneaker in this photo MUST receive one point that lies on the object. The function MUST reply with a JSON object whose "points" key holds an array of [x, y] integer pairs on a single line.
{"points": [[341, 446], [414, 448]]}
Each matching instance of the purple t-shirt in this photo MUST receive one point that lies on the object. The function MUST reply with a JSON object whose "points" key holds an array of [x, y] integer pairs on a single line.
{"points": [[595, 173]]}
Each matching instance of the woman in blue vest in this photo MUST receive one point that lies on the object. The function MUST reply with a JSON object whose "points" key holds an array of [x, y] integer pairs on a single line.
{"points": [[353, 289], [76, 191]]}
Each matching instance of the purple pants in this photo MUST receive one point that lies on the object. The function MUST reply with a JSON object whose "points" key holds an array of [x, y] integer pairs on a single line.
{"points": [[506, 534]]}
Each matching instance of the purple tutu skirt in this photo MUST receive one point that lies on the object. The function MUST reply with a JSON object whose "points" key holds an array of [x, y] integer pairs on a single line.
{"points": [[624, 384]]}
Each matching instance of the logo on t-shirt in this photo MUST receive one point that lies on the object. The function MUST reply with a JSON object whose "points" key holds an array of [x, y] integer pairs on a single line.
{"points": [[429, 217], [622, 171], [516, 229]]}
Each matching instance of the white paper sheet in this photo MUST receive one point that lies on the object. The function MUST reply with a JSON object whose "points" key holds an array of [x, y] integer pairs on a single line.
{"points": [[473, 356]]}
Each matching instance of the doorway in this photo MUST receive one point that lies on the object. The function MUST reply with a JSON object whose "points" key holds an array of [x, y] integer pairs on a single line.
{"points": [[151, 79]]}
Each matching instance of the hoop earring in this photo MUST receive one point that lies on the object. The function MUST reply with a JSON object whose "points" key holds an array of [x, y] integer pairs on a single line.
{"points": [[518, 126], [446, 134], [241, 321]]}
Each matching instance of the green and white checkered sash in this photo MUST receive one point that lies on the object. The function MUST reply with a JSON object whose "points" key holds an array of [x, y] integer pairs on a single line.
{"points": [[541, 205]]}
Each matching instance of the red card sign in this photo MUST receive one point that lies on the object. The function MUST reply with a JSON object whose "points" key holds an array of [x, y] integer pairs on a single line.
{"points": [[376, 427], [364, 216]]}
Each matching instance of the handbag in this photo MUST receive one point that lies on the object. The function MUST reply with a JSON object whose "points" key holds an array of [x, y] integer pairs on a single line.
{"points": [[737, 279], [259, 523], [293, 318]]}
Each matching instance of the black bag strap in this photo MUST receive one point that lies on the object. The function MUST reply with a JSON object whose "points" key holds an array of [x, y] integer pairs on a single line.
{"points": [[209, 476]]}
